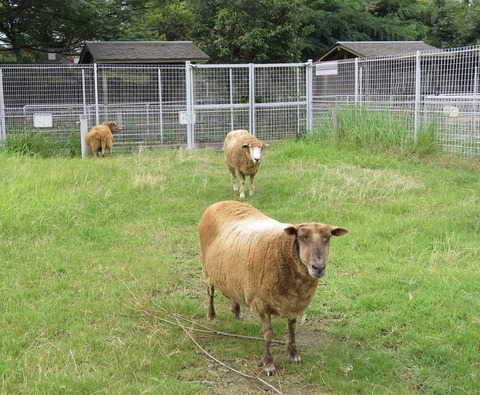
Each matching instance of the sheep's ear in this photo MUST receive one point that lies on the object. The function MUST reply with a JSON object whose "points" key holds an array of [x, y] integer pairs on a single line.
{"points": [[291, 231], [336, 231], [265, 145]]}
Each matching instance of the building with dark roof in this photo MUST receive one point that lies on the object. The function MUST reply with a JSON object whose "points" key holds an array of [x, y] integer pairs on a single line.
{"points": [[368, 49], [141, 52]]}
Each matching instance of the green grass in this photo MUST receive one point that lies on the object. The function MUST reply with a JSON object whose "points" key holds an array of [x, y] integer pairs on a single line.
{"points": [[44, 145], [92, 251]]}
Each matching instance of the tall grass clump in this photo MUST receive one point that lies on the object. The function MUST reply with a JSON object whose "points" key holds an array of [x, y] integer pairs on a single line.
{"points": [[375, 129], [44, 146]]}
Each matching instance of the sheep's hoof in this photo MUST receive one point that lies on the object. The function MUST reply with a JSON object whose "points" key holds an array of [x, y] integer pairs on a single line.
{"points": [[294, 357], [268, 366], [293, 354], [270, 369], [212, 318]]}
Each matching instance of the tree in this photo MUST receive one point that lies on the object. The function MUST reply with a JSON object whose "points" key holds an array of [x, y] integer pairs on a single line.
{"points": [[243, 31], [30, 26], [454, 23], [362, 20], [160, 20]]}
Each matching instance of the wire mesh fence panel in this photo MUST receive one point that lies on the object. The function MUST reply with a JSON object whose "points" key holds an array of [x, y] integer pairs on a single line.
{"points": [[145, 101], [220, 99], [280, 101], [267, 100], [44, 99]]}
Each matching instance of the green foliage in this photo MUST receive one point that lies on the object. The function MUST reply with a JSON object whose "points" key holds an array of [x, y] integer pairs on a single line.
{"points": [[234, 31], [93, 251], [29, 28], [242, 31], [454, 23], [359, 20], [375, 130], [38, 144], [160, 20]]}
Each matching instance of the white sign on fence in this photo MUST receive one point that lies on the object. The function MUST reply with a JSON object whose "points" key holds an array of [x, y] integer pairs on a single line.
{"points": [[182, 117], [326, 68], [42, 120]]}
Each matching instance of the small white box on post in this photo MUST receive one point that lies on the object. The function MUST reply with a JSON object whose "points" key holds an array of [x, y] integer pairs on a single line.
{"points": [[83, 133]]}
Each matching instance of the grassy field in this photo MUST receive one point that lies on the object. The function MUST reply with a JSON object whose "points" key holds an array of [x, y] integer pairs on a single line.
{"points": [[102, 292]]}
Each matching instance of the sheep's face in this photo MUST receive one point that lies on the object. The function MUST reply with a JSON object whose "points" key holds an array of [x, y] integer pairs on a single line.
{"points": [[255, 151], [113, 126], [314, 244]]}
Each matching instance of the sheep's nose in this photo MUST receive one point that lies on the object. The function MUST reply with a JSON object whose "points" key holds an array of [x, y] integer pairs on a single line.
{"points": [[318, 271]]}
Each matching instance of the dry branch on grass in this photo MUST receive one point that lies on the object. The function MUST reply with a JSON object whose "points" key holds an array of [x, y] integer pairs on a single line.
{"points": [[179, 320]]}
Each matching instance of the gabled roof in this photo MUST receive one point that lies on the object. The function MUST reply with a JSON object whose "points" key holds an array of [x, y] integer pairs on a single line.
{"points": [[141, 52], [367, 49]]}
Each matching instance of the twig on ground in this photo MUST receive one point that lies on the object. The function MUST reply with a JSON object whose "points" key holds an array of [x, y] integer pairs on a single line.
{"points": [[207, 329], [227, 366], [204, 329]]}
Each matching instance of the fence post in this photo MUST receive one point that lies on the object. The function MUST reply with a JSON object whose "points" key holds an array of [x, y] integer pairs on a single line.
{"points": [[3, 131], [160, 103], [83, 132], [418, 82], [309, 94], [251, 98], [95, 84], [189, 99], [84, 92], [357, 79]]}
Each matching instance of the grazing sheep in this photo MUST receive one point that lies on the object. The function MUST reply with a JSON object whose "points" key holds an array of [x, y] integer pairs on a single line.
{"points": [[100, 137], [243, 153], [256, 261]]}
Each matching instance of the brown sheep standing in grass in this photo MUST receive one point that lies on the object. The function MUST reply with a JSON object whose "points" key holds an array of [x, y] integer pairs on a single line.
{"points": [[243, 153], [100, 137], [256, 261]]}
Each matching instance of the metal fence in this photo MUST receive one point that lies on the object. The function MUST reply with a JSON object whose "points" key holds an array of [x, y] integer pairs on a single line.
{"points": [[428, 89], [196, 105], [181, 105]]}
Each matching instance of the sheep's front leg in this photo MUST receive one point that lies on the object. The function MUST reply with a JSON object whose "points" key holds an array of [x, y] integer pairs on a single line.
{"points": [[252, 187], [293, 354], [242, 185], [211, 309], [267, 361], [233, 178]]}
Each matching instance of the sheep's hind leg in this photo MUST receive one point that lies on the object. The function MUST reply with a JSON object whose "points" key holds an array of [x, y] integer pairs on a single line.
{"points": [[104, 146], [293, 354], [267, 360], [235, 309], [211, 309]]}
